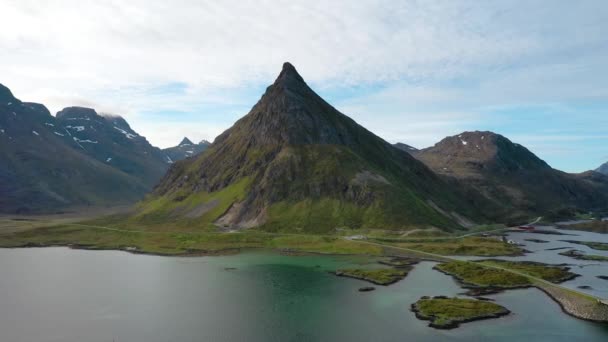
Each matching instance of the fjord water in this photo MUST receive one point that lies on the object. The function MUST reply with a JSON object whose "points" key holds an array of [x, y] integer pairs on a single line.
{"points": [[58, 294]]}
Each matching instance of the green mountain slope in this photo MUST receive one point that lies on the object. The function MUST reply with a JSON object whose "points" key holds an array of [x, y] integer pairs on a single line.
{"points": [[295, 163]]}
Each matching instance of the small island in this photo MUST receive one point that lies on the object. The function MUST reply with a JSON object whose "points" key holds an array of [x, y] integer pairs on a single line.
{"points": [[492, 276], [380, 276], [573, 253], [600, 246], [536, 240], [449, 313]]}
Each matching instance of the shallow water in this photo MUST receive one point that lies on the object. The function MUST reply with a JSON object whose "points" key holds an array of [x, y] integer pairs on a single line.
{"points": [[58, 294]]}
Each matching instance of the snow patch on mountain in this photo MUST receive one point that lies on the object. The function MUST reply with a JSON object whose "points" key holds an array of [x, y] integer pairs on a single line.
{"points": [[127, 134], [84, 141], [77, 128]]}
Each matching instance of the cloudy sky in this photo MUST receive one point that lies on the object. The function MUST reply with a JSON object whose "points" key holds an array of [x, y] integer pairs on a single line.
{"points": [[410, 71]]}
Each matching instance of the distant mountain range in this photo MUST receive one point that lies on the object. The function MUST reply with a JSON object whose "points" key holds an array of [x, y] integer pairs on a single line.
{"points": [[46, 165], [185, 149], [78, 158], [293, 163], [512, 177], [109, 139]]}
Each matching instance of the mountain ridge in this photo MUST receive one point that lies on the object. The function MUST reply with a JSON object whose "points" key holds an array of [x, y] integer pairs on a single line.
{"points": [[45, 166]]}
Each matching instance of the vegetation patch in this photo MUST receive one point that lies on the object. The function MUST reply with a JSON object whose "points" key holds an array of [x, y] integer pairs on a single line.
{"points": [[179, 243], [551, 273], [601, 246], [471, 274], [469, 246], [449, 313], [381, 276], [582, 256]]}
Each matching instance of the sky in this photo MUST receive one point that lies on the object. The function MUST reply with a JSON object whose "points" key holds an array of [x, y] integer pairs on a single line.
{"points": [[410, 71]]}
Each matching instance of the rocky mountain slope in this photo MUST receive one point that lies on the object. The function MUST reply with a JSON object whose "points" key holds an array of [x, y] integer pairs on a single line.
{"points": [[185, 149], [110, 140], [512, 177], [603, 169], [405, 147], [295, 163], [43, 167]]}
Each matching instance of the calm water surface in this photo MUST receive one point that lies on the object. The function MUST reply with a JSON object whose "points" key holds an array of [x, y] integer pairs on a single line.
{"points": [[58, 294]]}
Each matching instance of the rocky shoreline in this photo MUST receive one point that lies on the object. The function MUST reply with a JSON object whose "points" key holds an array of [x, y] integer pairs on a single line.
{"points": [[572, 304]]}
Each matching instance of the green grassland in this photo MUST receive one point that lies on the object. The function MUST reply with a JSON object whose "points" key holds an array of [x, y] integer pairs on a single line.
{"points": [[179, 243], [551, 273], [477, 275], [494, 273], [475, 246]]}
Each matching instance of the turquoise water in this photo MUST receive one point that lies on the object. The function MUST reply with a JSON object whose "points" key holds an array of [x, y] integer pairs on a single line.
{"points": [[58, 294]]}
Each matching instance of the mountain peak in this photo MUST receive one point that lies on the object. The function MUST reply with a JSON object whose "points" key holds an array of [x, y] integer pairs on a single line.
{"points": [[289, 77], [5, 94], [472, 153], [77, 112], [185, 142]]}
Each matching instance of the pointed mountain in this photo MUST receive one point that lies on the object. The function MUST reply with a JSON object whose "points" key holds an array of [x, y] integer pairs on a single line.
{"points": [[185, 142], [295, 163], [405, 147], [603, 169], [185, 149], [42, 170], [512, 177], [110, 140]]}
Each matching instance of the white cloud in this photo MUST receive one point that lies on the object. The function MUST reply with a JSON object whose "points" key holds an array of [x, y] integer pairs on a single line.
{"points": [[445, 64]]}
